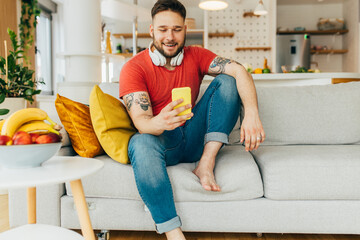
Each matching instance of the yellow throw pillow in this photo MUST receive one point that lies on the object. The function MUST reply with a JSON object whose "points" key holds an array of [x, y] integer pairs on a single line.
{"points": [[76, 119], [112, 124]]}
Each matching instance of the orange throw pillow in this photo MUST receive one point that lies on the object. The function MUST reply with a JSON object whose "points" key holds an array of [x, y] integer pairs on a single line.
{"points": [[76, 119]]}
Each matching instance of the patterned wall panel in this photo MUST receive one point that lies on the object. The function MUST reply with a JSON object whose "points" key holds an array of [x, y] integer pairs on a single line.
{"points": [[248, 32]]}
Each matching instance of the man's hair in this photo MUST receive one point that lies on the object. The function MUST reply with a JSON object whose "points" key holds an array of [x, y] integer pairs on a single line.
{"points": [[172, 5]]}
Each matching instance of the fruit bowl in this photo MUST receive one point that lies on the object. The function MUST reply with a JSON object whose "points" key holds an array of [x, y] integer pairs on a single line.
{"points": [[27, 156]]}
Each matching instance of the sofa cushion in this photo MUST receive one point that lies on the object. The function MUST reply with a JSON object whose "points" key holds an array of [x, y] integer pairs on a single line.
{"points": [[236, 172], [325, 114], [76, 120], [112, 124], [310, 172]]}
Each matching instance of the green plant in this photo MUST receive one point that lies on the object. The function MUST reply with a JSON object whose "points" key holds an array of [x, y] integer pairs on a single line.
{"points": [[3, 111], [28, 20], [20, 81]]}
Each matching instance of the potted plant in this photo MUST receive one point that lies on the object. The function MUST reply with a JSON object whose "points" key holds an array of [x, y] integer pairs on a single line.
{"points": [[16, 79], [17, 84]]}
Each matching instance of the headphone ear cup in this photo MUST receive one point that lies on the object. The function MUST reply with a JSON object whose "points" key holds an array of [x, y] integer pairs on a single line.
{"points": [[155, 59], [161, 59], [177, 60]]}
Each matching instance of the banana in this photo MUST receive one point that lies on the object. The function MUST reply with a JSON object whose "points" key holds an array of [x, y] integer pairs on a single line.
{"points": [[1, 124], [37, 126], [18, 118]]}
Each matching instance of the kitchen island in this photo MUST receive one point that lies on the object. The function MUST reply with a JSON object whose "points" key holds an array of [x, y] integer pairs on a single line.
{"points": [[298, 79]]}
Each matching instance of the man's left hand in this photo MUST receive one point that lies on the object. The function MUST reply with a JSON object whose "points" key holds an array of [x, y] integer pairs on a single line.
{"points": [[252, 132]]}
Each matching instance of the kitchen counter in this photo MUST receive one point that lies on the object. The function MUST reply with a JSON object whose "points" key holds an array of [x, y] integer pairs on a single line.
{"points": [[297, 79]]}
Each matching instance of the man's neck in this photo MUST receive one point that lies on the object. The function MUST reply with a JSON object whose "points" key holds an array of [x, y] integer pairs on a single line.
{"points": [[168, 65]]}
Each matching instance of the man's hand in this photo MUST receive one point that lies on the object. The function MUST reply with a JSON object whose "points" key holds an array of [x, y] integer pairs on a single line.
{"points": [[167, 119], [252, 131]]}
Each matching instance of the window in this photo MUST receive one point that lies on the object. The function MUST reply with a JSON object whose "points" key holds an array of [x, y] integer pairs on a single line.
{"points": [[43, 48]]}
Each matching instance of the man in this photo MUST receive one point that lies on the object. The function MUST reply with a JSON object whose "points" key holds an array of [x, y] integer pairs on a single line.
{"points": [[166, 139]]}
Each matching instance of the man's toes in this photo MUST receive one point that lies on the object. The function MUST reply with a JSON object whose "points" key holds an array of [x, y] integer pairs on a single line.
{"points": [[215, 187], [206, 187]]}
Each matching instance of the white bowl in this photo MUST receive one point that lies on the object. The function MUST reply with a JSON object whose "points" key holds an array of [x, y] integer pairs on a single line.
{"points": [[27, 156]]}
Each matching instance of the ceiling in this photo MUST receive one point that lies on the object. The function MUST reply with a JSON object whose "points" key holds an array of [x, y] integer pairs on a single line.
{"points": [[296, 2]]}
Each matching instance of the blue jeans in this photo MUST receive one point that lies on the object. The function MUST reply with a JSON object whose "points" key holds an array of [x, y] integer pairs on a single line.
{"points": [[214, 117]]}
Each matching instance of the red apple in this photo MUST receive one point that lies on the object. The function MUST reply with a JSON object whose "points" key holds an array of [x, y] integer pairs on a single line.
{"points": [[55, 138], [43, 139], [34, 136], [18, 134], [5, 140], [22, 138]]}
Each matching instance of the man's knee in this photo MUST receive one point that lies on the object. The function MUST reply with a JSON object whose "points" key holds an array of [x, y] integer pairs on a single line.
{"points": [[143, 146]]}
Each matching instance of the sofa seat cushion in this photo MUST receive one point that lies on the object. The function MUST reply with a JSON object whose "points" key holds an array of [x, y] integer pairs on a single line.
{"points": [[236, 172], [310, 172]]}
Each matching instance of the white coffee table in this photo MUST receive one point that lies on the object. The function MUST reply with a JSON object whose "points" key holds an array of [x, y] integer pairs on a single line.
{"points": [[58, 169]]}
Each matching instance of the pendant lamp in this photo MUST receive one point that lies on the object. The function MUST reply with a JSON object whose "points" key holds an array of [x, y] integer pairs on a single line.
{"points": [[213, 5], [260, 9]]}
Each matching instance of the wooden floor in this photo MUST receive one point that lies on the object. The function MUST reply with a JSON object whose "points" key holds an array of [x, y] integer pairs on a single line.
{"points": [[132, 235]]}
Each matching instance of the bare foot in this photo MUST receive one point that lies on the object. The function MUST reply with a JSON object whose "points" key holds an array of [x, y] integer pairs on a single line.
{"points": [[207, 179]]}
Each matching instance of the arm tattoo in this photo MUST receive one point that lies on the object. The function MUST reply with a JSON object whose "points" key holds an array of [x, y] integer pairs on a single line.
{"points": [[143, 101], [218, 64], [129, 100]]}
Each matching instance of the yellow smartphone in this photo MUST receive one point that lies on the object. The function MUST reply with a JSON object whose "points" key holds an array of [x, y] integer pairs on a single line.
{"points": [[184, 93]]}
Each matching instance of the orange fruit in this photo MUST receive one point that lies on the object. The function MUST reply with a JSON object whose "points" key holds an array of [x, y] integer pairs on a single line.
{"points": [[258, 71]]}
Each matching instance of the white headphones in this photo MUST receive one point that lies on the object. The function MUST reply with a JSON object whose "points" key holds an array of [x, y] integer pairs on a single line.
{"points": [[159, 60]]}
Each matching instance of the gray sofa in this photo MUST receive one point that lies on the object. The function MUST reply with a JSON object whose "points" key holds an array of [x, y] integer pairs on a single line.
{"points": [[305, 178]]}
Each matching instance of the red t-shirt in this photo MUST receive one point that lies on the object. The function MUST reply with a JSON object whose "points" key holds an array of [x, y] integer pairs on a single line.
{"points": [[139, 74]]}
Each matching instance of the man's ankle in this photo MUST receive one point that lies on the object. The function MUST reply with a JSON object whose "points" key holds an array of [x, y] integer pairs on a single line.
{"points": [[175, 234]]}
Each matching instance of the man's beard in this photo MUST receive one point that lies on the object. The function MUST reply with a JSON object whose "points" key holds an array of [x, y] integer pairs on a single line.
{"points": [[163, 52]]}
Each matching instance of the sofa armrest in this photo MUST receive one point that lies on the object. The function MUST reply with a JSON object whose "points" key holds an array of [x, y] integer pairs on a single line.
{"points": [[47, 205]]}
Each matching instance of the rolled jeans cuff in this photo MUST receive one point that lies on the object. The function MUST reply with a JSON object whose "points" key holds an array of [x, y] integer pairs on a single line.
{"points": [[168, 225], [216, 137]]}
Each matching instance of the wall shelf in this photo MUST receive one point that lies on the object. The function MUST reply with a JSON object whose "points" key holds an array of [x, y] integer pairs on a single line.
{"points": [[250, 14], [338, 51], [130, 35], [230, 34], [190, 32], [315, 32], [252, 48], [125, 55]]}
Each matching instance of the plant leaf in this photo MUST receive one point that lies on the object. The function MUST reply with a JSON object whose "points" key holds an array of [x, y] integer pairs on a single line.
{"points": [[2, 98], [4, 111]]}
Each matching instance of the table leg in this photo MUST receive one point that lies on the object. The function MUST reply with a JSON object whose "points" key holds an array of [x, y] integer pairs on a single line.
{"points": [[31, 203], [82, 209]]}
